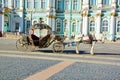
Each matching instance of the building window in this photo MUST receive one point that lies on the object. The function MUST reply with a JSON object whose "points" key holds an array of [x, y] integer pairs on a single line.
{"points": [[42, 3], [66, 4], [36, 4], [92, 26], [59, 5], [17, 5], [118, 26], [73, 27], [17, 26], [58, 25], [29, 4], [13, 4], [28, 24], [5, 3], [75, 4], [92, 2], [105, 26], [118, 2], [105, 2]]}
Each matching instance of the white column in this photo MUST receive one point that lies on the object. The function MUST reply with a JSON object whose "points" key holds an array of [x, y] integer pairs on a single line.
{"points": [[98, 23], [1, 18], [21, 4], [1, 22], [85, 8], [21, 23], [85, 25], [10, 4], [112, 25]]}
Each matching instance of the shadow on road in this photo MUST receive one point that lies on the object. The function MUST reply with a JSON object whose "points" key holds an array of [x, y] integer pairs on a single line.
{"points": [[73, 52]]}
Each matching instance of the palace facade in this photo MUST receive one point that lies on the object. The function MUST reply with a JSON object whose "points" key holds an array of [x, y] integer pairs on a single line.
{"points": [[66, 17]]}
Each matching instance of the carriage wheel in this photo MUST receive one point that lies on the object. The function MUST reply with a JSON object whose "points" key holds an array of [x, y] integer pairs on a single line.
{"points": [[31, 46], [58, 47], [21, 45]]}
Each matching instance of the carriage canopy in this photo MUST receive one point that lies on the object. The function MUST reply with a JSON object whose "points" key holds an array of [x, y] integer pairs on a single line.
{"points": [[40, 30]]}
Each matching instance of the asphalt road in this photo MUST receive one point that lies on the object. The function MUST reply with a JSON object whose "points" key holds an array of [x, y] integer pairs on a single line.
{"points": [[104, 65]]}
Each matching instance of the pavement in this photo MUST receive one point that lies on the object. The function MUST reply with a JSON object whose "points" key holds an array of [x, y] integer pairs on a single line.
{"points": [[44, 65]]}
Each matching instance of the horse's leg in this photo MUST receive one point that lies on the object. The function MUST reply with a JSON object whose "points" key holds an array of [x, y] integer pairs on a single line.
{"points": [[92, 48], [77, 47]]}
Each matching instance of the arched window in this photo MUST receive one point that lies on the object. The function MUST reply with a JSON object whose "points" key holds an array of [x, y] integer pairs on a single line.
{"points": [[36, 4], [105, 25], [118, 26], [75, 4], [58, 25], [17, 3], [13, 4], [58, 5], [105, 2], [74, 27], [66, 4], [92, 26], [42, 3], [118, 1], [92, 2], [5, 3], [29, 4]]}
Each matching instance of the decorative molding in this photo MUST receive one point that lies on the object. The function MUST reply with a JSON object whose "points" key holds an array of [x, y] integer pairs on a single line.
{"points": [[84, 14], [49, 16], [98, 14], [92, 18], [1, 12], [118, 18], [112, 14], [118, 33]]}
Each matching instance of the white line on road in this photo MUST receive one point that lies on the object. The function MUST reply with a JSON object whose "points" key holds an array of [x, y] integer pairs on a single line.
{"points": [[61, 59]]}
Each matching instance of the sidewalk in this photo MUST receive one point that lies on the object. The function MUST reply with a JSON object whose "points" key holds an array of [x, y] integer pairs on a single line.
{"points": [[11, 36]]}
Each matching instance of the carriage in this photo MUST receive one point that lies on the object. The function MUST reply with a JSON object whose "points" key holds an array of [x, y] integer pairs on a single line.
{"points": [[42, 36]]}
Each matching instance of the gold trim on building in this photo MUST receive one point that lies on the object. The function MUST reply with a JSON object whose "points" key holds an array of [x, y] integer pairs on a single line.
{"points": [[51, 16], [118, 18], [1, 12], [84, 14], [113, 2], [112, 14], [92, 18], [98, 14], [118, 33]]}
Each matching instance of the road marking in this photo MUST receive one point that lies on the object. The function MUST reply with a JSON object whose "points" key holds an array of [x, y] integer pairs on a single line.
{"points": [[62, 59], [66, 55], [44, 75]]}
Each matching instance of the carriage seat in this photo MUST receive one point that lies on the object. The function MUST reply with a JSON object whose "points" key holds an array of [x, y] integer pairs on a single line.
{"points": [[35, 39]]}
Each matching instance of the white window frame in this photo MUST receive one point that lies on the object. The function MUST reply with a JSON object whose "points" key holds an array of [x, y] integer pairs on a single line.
{"points": [[66, 4], [105, 25], [58, 25], [43, 4], [17, 3], [58, 7], [92, 26], [118, 2], [36, 6], [93, 2], [106, 2], [75, 4], [118, 26]]}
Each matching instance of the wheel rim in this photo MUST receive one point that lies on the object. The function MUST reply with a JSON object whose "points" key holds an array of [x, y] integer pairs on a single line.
{"points": [[58, 47], [21, 45], [31, 46]]}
